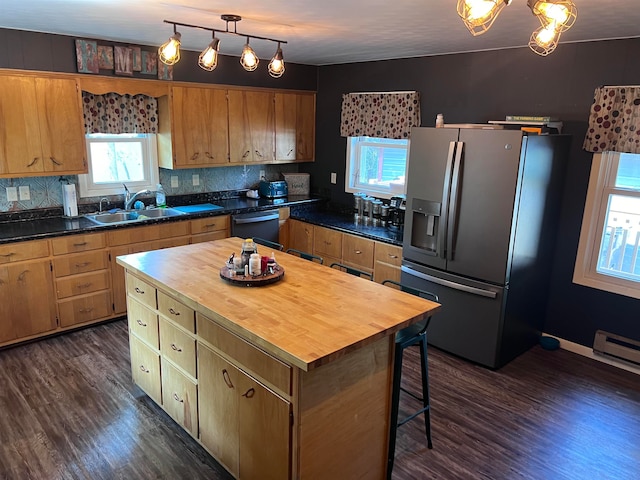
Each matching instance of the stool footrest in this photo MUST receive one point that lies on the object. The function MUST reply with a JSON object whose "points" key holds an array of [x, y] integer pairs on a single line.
{"points": [[411, 417]]}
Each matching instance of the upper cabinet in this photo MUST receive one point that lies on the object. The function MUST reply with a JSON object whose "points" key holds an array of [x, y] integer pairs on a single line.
{"points": [[251, 126], [193, 128], [41, 127], [295, 127]]}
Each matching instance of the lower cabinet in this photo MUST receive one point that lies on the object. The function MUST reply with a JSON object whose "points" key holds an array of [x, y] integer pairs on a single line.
{"points": [[145, 368], [180, 397], [244, 425]]}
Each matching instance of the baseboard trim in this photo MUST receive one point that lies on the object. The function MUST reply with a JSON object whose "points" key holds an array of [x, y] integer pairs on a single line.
{"points": [[588, 352]]}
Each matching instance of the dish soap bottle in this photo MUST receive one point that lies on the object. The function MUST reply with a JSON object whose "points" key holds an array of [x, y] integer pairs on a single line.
{"points": [[161, 197]]}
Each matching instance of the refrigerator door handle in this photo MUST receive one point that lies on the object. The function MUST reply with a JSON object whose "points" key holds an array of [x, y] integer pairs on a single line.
{"points": [[453, 200], [448, 283], [444, 212]]}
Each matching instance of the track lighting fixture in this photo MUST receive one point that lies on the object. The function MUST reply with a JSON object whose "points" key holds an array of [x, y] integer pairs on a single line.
{"points": [[556, 16], [169, 52]]}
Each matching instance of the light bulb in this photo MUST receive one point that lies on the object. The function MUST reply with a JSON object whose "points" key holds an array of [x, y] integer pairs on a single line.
{"points": [[169, 52], [562, 14], [249, 59], [479, 10], [555, 13], [479, 15], [276, 65], [208, 59], [544, 40]]}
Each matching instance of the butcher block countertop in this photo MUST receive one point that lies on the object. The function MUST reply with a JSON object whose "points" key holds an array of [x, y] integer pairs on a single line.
{"points": [[311, 317]]}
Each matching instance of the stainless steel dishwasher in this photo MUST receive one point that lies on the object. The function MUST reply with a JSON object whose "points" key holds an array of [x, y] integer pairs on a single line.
{"points": [[256, 224]]}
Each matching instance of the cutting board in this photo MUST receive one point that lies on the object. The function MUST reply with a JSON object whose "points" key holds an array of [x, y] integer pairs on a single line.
{"points": [[201, 207]]}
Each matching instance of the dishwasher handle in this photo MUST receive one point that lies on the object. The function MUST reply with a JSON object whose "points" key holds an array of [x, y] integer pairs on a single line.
{"points": [[263, 218]]}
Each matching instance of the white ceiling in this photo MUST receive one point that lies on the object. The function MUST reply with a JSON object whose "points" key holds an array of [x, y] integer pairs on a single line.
{"points": [[318, 32]]}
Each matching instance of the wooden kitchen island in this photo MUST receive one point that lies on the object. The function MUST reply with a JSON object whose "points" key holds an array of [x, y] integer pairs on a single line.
{"points": [[287, 380]]}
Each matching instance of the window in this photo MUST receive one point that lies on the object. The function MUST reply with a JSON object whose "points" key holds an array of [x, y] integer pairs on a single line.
{"points": [[608, 252], [376, 166], [115, 160]]}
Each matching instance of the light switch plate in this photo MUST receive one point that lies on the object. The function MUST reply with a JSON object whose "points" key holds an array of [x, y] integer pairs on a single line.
{"points": [[195, 179], [334, 177], [12, 194], [262, 174], [174, 181], [24, 193]]}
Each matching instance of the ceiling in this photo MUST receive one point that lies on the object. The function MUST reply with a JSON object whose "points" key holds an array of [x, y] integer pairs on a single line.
{"points": [[318, 32]]}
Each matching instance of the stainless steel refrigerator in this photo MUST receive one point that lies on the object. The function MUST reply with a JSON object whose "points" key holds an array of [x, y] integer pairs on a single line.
{"points": [[481, 217]]}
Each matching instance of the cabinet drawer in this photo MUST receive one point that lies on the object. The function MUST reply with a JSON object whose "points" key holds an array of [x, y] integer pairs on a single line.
{"points": [[209, 237], [210, 224], [327, 242], [141, 291], [180, 397], [16, 252], [143, 322], [81, 284], [246, 355], [81, 263], [84, 309], [145, 369], [77, 243], [178, 347], [390, 254], [357, 251], [125, 236], [176, 312]]}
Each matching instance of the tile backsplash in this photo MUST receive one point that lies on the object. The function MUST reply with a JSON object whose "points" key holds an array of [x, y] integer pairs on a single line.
{"points": [[46, 192]]}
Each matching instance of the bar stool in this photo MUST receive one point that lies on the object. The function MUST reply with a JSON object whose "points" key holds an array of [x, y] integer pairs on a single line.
{"points": [[352, 271], [414, 335], [269, 243], [307, 256]]}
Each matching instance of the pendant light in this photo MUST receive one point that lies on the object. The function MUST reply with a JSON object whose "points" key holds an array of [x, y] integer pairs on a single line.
{"points": [[208, 59], [561, 14], [479, 15], [169, 52], [276, 65], [249, 60], [544, 40]]}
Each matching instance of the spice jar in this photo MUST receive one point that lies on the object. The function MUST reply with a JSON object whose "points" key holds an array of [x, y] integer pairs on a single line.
{"points": [[255, 264]]}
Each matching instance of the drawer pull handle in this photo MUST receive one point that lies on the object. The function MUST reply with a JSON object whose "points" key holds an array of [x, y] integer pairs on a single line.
{"points": [[177, 398], [258, 154], [21, 277], [195, 156], [33, 162], [85, 310], [358, 252], [249, 393], [175, 347], [81, 244], [209, 225], [173, 312], [246, 154], [393, 256], [327, 243], [209, 156], [141, 292], [141, 323], [290, 151], [53, 159], [227, 380], [10, 254], [82, 265], [144, 369]]}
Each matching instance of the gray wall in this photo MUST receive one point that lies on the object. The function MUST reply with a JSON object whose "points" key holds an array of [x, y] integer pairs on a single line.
{"points": [[483, 86]]}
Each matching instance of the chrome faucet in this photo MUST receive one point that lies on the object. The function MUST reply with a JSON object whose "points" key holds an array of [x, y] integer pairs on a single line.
{"points": [[130, 199], [103, 199]]}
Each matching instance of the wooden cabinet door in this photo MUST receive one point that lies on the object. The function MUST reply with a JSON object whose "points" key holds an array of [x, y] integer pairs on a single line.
{"points": [[295, 127], [218, 407], [264, 431], [251, 126], [200, 126], [180, 397], [358, 251], [61, 125], [27, 301], [145, 368], [301, 236], [327, 242], [20, 147]]}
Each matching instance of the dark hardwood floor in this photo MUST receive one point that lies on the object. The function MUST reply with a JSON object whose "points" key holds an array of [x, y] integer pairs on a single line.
{"points": [[68, 410]]}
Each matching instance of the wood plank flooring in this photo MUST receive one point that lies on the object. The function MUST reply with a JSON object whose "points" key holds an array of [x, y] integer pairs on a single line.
{"points": [[68, 410]]}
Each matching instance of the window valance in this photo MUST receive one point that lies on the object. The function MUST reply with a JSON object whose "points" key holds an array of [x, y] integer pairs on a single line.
{"points": [[380, 114], [614, 121], [114, 113]]}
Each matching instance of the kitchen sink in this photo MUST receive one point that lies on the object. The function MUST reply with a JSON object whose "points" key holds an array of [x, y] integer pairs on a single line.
{"points": [[130, 216]]}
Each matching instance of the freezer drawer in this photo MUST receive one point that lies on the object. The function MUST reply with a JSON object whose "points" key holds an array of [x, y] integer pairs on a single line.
{"points": [[470, 322]]}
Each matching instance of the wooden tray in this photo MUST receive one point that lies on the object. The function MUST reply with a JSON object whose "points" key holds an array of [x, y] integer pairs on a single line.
{"points": [[250, 281]]}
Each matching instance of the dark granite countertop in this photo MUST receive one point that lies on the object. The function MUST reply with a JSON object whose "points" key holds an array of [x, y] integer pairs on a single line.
{"points": [[35, 225], [345, 223]]}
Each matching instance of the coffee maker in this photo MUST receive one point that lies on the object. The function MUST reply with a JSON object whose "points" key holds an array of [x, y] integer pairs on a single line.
{"points": [[397, 207]]}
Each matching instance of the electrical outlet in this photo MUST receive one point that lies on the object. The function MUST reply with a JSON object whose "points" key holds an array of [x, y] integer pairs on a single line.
{"points": [[12, 194], [195, 179], [334, 177], [24, 193], [174, 181], [262, 174]]}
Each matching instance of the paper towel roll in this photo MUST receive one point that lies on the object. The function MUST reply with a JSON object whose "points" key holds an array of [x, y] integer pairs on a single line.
{"points": [[69, 200]]}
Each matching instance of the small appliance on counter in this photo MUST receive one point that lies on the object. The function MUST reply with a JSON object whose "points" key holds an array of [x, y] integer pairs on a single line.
{"points": [[274, 189]]}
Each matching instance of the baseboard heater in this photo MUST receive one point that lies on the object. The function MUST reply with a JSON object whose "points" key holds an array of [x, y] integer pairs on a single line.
{"points": [[612, 345]]}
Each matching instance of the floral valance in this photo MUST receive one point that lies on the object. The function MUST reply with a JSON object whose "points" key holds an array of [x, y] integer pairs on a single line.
{"points": [[382, 115], [614, 121], [115, 113]]}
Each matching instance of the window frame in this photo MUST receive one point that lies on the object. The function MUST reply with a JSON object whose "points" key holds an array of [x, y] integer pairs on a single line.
{"points": [[149, 146], [602, 181], [351, 171]]}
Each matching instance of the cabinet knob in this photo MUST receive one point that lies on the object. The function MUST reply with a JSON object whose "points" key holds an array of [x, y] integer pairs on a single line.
{"points": [[173, 312], [358, 252], [249, 393]]}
